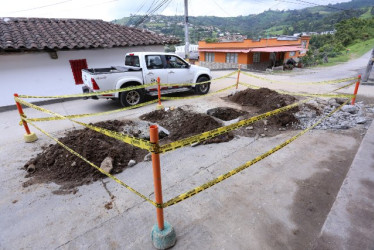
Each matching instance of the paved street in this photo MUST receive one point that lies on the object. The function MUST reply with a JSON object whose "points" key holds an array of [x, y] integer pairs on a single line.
{"points": [[282, 202]]}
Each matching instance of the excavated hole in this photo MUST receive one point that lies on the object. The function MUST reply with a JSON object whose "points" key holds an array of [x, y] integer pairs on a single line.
{"points": [[182, 123], [226, 113]]}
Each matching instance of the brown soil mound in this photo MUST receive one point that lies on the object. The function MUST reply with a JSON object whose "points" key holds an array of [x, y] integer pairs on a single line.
{"points": [[57, 165], [266, 100], [182, 124], [226, 113], [263, 98]]}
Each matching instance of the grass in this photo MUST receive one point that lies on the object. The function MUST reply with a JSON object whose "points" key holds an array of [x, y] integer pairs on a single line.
{"points": [[276, 30], [367, 14], [355, 51]]}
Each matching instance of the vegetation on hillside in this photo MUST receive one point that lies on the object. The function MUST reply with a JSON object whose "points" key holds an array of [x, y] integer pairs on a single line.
{"points": [[353, 36], [268, 23]]}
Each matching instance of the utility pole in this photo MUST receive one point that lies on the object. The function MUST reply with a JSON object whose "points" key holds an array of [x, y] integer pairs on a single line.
{"points": [[187, 45], [369, 67]]}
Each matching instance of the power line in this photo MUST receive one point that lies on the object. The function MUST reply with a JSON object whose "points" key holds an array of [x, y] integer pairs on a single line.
{"points": [[215, 2], [137, 12], [88, 6], [327, 6], [40, 7], [293, 2], [151, 12], [302, 2]]}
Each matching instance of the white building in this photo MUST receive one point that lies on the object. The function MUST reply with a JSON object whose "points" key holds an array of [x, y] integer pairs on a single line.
{"points": [[41, 56], [194, 51]]}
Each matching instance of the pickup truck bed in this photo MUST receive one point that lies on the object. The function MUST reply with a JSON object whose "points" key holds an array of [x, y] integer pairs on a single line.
{"points": [[113, 69]]}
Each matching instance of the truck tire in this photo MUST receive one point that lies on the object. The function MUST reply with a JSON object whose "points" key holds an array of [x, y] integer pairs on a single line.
{"points": [[131, 98], [202, 89]]}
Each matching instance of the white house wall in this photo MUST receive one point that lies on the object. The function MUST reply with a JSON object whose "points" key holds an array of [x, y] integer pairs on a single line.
{"points": [[38, 74]]}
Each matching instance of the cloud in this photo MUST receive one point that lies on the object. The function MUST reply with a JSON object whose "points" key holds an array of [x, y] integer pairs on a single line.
{"points": [[115, 9]]}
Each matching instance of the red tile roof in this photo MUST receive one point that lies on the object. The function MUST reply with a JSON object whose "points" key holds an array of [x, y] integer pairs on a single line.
{"points": [[57, 34]]}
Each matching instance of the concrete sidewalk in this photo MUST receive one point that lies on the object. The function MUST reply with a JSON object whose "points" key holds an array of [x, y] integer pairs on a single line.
{"points": [[350, 223]]}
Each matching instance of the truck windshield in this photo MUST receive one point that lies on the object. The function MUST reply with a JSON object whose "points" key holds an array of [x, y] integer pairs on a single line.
{"points": [[132, 61]]}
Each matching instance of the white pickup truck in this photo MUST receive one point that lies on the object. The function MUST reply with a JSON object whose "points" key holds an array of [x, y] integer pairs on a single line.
{"points": [[143, 68]]}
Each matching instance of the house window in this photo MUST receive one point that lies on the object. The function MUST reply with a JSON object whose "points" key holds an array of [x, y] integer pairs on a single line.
{"points": [[292, 53], [303, 44], [76, 68], [232, 57], [256, 57], [209, 57]]}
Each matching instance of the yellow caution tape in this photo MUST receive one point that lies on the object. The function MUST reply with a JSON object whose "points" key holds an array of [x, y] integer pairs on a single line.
{"points": [[123, 89], [92, 93], [91, 114], [198, 83], [98, 168], [197, 96], [304, 94], [246, 165], [143, 144], [301, 83], [222, 130], [345, 86]]}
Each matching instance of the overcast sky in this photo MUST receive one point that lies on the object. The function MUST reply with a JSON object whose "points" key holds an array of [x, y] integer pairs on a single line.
{"points": [[114, 9]]}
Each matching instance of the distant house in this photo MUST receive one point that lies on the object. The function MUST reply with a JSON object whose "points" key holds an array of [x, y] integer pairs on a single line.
{"points": [[43, 56], [232, 38], [252, 54], [194, 53]]}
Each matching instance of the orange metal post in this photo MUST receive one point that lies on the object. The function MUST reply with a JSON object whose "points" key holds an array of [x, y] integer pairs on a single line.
{"points": [[356, 89], [20, 110], [159, 91], [237, 79], [157, 177]]}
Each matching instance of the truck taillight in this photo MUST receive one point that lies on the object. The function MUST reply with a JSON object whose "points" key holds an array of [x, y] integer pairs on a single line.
{"points": [[94, 84]]}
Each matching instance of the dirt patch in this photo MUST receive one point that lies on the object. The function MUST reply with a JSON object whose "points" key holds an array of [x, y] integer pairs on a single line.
{"points": [[265, 100], [183, 123], [226, 113], [57, 165]]}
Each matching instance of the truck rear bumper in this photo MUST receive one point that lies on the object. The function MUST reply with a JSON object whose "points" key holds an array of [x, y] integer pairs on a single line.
{"points": [[85, 90]]}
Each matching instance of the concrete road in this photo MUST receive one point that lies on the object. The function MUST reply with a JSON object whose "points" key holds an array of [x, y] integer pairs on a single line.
{"points": [[281, 202]]}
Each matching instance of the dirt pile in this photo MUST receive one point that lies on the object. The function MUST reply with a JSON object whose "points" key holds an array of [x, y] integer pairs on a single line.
{"points": [[183, 123], [57, 165], [263, 98], [266, 100]]}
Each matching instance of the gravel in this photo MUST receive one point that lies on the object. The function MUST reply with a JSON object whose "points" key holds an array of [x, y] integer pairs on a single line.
{"points": [[347, 117]]}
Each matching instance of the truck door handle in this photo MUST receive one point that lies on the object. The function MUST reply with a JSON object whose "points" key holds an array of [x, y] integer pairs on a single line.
{"points": [[171, 72], [150, 74]]}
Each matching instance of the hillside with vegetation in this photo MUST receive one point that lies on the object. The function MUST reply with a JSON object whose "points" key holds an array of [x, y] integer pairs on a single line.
{"points": [[353, 38], [268, 23]]}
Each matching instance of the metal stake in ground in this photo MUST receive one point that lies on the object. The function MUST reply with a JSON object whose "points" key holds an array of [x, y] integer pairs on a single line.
{"points": [[29, 136], [356, 89], [163, 234]]}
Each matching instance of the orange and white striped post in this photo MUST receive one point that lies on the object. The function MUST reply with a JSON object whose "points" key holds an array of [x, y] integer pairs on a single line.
{"points": [[29, 136], [237, 79], [356, 90]]}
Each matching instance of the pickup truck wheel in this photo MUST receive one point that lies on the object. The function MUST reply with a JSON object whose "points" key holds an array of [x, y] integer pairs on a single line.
{"points": [[202, 89], [131, 98]]}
